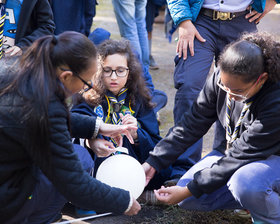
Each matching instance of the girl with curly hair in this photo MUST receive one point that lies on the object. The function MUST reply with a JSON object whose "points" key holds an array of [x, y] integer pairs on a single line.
{"points": [[120, 96]]}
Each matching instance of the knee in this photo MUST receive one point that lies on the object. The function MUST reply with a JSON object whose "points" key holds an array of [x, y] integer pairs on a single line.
{"points": [[249, 192]]}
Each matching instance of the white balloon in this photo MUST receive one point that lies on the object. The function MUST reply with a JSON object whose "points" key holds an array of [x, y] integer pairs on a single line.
{"points": [[123, 171]]}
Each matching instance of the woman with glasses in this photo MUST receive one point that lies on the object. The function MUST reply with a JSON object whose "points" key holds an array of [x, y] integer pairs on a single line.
{"points": [[120, 97], [244, 94], [40, 170]]}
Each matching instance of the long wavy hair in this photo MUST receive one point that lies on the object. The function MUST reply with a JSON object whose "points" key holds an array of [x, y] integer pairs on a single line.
{"points": [[36, 81], [135, 83]]}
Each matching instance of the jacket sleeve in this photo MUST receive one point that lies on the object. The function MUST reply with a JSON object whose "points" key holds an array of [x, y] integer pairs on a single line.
{"points": [[193, 125], [258, 142], [68, 177], [43, 24], [82, 125], [179, 10], [148, 132]]}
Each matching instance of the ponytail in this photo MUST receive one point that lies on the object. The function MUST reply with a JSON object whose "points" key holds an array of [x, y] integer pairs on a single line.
{"points": [[36, 82]]}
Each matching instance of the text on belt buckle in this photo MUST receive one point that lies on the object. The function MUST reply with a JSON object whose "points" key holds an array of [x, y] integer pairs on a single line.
{"points": [[221, 15]]}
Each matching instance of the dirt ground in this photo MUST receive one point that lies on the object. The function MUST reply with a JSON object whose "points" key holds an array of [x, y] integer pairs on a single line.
{"points": [[164, 53]]}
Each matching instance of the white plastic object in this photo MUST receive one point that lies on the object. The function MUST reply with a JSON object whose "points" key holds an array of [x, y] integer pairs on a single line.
{"points": [[123, 171]]}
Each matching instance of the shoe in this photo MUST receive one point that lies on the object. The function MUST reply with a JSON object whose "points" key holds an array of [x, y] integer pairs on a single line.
{"points": [[173, 181], [149, 198], [153, 65], [83, 212], [243, 213]]}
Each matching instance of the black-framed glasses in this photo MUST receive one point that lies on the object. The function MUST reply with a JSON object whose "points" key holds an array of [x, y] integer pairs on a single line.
{"points": [[119, 71], [87, 84]]}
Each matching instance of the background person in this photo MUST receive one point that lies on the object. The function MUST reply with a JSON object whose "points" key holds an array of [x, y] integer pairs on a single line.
{"points": [[24, 21]]}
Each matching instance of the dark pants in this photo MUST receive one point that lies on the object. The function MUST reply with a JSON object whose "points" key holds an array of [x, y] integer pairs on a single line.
{"points": [[190, 75], [46, 202]]}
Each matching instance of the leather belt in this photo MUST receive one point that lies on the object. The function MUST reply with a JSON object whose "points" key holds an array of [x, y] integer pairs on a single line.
{"points": [[217, 15]]}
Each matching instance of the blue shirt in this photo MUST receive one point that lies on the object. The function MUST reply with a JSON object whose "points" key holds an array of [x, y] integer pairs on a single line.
{"points": [[227, 5], [13, 8]]}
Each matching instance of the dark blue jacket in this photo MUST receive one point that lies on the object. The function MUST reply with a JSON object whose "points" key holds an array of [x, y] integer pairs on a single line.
{"points": [[73, 15], [258, 136], [35, 21], [148, 132], [19, 167]]}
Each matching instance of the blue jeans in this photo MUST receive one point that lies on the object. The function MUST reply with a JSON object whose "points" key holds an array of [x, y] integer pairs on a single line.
{"points": [[159, 98], [255, 186], [190, 74], [131, 18], [46, 201]]}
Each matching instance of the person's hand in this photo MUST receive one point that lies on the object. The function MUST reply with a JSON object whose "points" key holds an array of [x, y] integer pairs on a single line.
{"points": [[255, 16], [101, 147], [187, 33], [135, 208], [116, 131], [172, 195], [149, 171], [13, 51], [129, 119]]}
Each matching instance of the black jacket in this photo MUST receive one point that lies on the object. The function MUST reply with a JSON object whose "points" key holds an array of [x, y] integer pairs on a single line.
{"points": [[258, 136], [35, 21], [18, 168]]}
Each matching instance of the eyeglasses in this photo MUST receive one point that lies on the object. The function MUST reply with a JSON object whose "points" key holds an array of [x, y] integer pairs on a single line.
{"points": [[119, 71], [87, 84], [227, 90]]}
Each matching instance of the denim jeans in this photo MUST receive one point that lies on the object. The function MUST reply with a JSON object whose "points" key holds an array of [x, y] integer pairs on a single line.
{"points": [[255, 186], [46, 201], [131, 18], [190, 75]]}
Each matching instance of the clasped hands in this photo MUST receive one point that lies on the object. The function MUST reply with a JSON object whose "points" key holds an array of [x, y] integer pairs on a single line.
{"points": [[104, 148]]}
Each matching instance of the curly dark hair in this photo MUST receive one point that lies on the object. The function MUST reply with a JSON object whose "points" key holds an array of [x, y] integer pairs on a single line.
{"points": [[135, 83], [252, 55]]}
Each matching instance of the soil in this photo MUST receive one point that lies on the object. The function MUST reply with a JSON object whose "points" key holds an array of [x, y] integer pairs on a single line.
{"points": [[164, 53]]}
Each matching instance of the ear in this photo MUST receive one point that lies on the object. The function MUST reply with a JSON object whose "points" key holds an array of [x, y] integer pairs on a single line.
{"points": [[264, 77], [65, 76]]}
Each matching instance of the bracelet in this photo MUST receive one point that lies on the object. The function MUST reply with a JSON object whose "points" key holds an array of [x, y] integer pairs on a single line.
{"points": [[97, 126]]}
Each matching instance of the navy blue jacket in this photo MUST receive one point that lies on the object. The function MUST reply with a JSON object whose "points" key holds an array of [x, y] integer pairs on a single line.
{"points": [[19, 167], [258, 136], [148, 132], [73, 15]]}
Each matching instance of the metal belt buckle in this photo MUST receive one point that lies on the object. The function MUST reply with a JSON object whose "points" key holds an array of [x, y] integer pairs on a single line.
{"points": [[221, 15]]}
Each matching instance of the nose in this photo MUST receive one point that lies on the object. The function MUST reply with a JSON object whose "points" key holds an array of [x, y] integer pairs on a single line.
{"points": [[114, 75]]}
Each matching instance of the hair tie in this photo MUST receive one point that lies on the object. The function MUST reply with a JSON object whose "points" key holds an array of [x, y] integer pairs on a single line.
{"points": [[54, 40]]}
